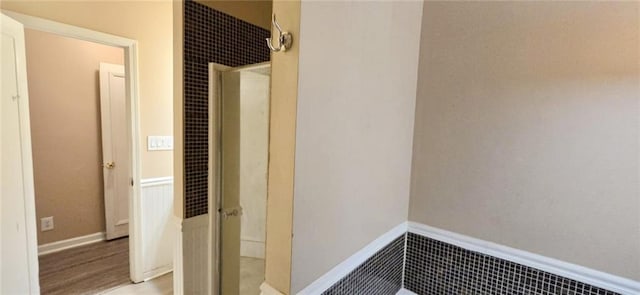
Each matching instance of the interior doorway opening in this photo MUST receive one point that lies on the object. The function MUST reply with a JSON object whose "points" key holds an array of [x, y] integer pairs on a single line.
{"points": [[239, 141], [127, 218], [81, 162]]}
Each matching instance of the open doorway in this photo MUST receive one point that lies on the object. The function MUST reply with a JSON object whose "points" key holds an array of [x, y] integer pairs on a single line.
{"points": [[87, 158], [239, 108], [81, 162]]}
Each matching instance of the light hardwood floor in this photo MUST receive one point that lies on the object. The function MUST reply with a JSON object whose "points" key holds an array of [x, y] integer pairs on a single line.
{"points": [[100, 268], [85, 270]]}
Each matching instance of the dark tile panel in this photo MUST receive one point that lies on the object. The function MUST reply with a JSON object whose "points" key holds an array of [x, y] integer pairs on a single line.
{"points": [[209, 36], [381, 274], [434, 267]]}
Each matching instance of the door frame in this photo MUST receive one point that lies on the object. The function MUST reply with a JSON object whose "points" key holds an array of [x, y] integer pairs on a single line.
{"points": [[215, 168], [130, 47], [214, 193]]}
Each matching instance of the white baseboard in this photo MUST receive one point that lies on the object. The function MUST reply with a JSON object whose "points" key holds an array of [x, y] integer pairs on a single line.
{"points": [[253, 249], [70, 243], [345, 267], [158, 272], [266, 289], [554, 266], [404, 291]]}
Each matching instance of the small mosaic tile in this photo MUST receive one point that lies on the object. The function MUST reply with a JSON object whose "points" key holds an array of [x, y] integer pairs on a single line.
{"points": [[434, 267], [209, 36], [381, 274]]}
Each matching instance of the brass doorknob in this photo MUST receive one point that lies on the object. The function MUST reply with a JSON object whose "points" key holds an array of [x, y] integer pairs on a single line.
{"points": [[109, 165]]}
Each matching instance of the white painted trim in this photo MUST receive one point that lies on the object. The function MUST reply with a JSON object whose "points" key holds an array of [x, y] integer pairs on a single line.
{"points": [[178, 277], [341, 270], [214, 197], [266, 289], [404, 291], [9, 24], [147, 182], [554, 266], [70, 243], [130, 47], [158, 272], [45, 25], [404, 257]]}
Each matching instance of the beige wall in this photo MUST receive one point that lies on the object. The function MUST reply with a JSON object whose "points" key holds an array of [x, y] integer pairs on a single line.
{"points": [[150, 23], [257, 12], [527, 129], [64, 101], [356, 101], [282, 126], [177, 9]]}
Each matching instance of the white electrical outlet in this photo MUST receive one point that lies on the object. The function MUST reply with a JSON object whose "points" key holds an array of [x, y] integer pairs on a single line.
{"points": [[46, 223]]}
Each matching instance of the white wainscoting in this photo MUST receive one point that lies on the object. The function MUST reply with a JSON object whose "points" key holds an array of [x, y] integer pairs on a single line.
{"points": [[195, 237], [158, 226]]}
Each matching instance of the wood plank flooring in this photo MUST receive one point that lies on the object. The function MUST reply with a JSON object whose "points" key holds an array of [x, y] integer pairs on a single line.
{"points": [[87, 269]]}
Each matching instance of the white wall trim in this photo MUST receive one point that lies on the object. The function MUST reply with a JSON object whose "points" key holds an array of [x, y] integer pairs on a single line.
{"points": [[561, 268], [147, 182], [158, 272], [71, 243], [341, 270], [266, 289]]}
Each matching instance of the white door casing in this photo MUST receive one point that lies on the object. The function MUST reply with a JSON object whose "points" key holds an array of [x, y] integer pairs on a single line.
{"points": [[115, 150], [18, 254]]}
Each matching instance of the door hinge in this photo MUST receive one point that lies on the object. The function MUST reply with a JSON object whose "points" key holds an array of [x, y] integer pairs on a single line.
{"points": [[131, 181]]}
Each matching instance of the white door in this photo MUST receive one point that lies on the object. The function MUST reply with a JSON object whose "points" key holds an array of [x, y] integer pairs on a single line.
{"points": [[115, 150], [18, 258]]}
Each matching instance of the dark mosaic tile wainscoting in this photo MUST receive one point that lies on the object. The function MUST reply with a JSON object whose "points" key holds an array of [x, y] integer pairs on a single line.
{"points": [[436, 268], [380, 274], [209, 36]]}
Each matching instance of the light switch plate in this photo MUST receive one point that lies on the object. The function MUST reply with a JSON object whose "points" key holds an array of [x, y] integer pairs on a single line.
{"points": [[160, 143]]}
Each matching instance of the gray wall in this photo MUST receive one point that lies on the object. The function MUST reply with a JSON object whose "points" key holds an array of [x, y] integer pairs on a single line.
{"points": [[356, 100], [527, 128]]}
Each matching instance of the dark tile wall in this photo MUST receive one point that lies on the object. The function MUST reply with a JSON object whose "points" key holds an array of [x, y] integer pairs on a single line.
{"points": [[381, 274], [209, 36], [434, 267]]}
